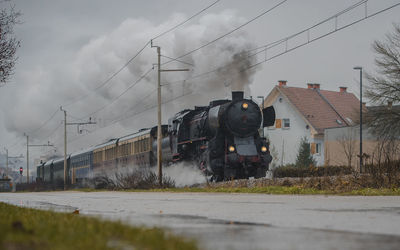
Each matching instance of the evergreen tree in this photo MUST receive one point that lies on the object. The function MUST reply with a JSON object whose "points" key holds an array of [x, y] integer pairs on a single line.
{"points": [[304, 157]]}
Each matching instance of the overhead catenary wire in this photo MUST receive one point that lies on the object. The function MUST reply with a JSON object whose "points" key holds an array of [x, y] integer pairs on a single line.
{"points": [[341, 12], [43, 124], [104, 83], [343, 27], [280, 41], [228, 33], [185, 21], [136, 113], [322, 36], [120, 95]]}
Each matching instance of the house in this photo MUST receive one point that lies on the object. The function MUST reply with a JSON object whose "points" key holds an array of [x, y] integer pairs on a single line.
{"points": [[342, 145], [307, 112]]}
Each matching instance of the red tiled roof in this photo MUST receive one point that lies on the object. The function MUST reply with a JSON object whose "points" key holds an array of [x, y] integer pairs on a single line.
{"points": [[323, 108]]}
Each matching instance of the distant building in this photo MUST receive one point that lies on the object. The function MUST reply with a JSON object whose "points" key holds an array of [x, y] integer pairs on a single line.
{"points": [[342, 145], [307, 112]]}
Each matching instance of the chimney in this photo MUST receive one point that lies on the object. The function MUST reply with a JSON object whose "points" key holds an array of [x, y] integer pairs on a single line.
{"points": [[390, 104], [237, 95], [343, 89], [310, 85], [316, 85], [282, 82], [364, 105]]}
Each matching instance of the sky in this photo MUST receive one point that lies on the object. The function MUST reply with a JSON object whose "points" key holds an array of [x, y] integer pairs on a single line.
{"points": [[70, 48]]}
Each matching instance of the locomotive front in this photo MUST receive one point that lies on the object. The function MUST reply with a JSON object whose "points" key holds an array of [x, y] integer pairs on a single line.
{"points": [[237, 150]]}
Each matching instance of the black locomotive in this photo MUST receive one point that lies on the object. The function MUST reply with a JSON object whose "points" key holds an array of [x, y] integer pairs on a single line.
{"points": [[222, 139]]}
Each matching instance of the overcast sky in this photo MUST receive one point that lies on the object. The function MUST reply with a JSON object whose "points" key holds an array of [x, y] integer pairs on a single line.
{"points": [[68, 48]]}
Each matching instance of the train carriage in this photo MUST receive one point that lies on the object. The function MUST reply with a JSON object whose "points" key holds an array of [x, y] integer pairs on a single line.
{"points": [[48, 172], [81, 166], [135, 149], [104, 157], [40, 172], [58, 172]]}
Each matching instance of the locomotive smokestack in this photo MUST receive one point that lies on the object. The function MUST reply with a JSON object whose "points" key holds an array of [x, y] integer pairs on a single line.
{"points": [[237, 95]]}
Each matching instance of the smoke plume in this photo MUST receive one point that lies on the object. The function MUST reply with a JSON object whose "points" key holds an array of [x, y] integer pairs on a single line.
{"points": [[42, 90]]}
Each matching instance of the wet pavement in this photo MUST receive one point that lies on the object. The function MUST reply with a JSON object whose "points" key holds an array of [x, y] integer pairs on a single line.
{"points": [[241, 221]]}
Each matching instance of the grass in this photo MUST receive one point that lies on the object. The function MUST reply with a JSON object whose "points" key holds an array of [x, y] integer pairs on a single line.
{"points": [[283, 190], [25, 228]]}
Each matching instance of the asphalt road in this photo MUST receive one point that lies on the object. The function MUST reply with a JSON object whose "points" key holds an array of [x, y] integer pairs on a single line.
{"points": [[242, 221]]}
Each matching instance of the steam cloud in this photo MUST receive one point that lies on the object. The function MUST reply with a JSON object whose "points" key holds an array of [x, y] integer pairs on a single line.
{"points": [[43, 90]]}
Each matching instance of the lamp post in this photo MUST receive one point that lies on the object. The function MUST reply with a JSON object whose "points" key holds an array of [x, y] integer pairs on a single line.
{"points": [[262, 105], [361, 151]]}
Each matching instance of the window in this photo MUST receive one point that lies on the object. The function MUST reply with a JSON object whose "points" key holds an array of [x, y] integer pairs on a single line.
{"points": [[315, 148], [286, 123], [318, 148]]}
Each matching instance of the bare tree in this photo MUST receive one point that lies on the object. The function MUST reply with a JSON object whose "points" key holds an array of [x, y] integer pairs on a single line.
{"points": [[385, 85], [348, 144], [9, 44]]}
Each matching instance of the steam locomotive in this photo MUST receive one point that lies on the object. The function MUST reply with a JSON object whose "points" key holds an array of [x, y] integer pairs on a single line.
{"points": [[222, 139]]}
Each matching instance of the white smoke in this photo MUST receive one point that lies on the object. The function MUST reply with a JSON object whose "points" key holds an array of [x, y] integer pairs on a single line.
{"points": [[184, 174], [42, 90]]}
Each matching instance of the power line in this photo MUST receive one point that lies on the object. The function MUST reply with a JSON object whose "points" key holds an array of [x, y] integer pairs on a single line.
{"points": [[322, 36], [104, 83], [275, 43], [44, 124], [136, 113], [182, 23], [228, 33], [136, 55], [283, 40], [109, 78], [120, 95]]}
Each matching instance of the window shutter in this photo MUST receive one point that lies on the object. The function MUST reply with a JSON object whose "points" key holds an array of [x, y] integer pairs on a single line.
{"points": [[278, 123]]}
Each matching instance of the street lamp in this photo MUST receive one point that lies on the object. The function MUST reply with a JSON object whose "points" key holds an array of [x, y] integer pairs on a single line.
{"points": [[361, 152], [262, 103]]}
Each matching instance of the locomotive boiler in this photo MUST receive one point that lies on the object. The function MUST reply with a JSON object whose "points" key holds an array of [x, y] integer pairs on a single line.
{"points": [[223, 138]]}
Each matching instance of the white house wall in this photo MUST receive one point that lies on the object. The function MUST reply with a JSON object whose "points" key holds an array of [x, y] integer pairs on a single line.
{"points": [[286, 142]]}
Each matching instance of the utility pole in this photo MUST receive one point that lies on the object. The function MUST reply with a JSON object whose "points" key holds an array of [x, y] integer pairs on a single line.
{"points": [[65, 140], [6, 160], [27, 159], [27, 153], [159, 135]]}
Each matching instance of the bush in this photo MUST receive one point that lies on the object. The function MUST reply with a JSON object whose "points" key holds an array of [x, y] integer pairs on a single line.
{"points": [[294, 171]]}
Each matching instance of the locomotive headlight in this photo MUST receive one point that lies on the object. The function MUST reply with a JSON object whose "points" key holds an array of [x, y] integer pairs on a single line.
{"points": [[245, 105], [263, 149], [231, 148]]}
